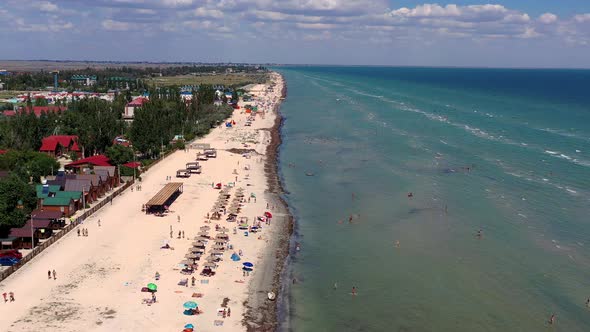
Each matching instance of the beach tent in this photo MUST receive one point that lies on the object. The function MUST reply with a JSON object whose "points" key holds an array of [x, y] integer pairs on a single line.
{"points": [[235, 257]]}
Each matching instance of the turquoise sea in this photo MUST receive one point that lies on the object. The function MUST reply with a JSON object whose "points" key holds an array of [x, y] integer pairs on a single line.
{"points": [[504, 151]]}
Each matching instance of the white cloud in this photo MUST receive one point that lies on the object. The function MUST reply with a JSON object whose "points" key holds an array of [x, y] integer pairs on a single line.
{"points": [[547, 18], [46, 6], [205, 12], [582, 18], [115, 25]]}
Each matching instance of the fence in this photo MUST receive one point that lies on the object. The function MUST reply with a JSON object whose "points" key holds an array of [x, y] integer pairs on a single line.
{"points": [[4, 274]]}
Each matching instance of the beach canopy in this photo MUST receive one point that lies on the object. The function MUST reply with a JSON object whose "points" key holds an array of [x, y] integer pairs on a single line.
{"points": [[248, 264], [205, 228], [268, 214], [190, 305], [153, 287], [189, 326], [235, 257]]}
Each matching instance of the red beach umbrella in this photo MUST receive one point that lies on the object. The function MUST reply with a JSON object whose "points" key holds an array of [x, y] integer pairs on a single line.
{"points": [[267, 214]]}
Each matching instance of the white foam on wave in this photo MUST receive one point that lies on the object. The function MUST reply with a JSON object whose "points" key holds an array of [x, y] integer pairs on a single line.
{"points": [[563, 133], [551, 152], [578, 151]]}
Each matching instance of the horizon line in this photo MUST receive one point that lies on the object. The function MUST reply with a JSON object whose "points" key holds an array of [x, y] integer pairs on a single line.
{"points": [[275, 64]]}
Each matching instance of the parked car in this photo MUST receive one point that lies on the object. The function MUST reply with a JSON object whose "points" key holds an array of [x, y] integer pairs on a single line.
{"points": [[11, 253], [8, 261]]}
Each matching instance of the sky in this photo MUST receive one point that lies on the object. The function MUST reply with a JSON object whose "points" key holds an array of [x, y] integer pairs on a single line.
{"points": [[502, 33]]}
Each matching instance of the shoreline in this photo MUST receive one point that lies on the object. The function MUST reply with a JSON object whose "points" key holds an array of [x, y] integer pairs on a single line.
{"points": [[262, 314]]}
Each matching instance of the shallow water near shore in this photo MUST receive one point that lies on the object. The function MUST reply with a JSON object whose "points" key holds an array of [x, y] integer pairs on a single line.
{"points": [[504, 151]]}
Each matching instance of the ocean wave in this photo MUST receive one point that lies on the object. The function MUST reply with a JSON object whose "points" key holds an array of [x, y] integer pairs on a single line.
{"points": [[478, 132], [562, 133]]}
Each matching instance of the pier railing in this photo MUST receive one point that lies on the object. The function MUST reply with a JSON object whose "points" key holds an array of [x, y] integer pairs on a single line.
{"points": [[37, 250]]}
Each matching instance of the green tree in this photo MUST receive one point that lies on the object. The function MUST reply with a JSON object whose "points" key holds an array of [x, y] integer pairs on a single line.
{"points": [[119, 154], [12, 190]]}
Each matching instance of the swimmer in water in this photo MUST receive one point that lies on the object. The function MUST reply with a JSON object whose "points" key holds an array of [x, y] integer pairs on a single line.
{"points": [[353, 291], [479, 234], [335, 285], [410, 195], [350, 219], [552, 319], [588, 303], [397, 245]]}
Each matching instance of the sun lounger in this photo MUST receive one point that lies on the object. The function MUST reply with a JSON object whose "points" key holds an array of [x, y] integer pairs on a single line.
{"points": [[218, 323], [183, 282]]}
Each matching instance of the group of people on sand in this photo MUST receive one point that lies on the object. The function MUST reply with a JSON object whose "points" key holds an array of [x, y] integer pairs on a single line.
{"points": [[84, 231], [10, 296], [50, 273]]}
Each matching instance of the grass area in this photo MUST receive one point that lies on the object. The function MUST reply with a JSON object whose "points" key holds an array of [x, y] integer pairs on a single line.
{"points": [[5, 94], [224, 79]]}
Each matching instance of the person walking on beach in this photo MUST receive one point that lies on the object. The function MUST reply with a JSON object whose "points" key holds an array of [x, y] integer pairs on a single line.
{"points": [[193, 281], [98, 222], [5, 298], [54, 275], [11, 295], [78, 232], [228, 311], [183, 234], [178, 217], [48, 274]]}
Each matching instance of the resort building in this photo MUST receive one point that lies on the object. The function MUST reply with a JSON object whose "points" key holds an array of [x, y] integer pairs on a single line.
{"points": [[85, 80], [130, 107], [58, 145]]}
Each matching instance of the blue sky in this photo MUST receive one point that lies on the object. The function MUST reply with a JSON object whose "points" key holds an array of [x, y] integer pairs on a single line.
{"points": [[501, 33]]}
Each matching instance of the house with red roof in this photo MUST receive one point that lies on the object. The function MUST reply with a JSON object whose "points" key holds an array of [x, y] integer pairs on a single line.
{"points": [[130, 107], [90, 162], [57, 145], [38, 110]]}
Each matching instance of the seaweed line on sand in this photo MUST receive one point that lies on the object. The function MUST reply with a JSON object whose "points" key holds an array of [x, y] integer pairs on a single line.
{"points": [[262, 315]]}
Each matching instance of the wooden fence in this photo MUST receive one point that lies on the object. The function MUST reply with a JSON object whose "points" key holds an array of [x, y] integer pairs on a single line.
{"points": [[4, 274]]}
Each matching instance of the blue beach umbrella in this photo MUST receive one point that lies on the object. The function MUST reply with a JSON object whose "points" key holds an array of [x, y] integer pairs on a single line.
{"points": [[248, 269], [248, 264], [189, 326], [190, 305]]}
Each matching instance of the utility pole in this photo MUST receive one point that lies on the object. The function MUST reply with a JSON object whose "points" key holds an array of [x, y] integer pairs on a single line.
{"points": [[32, 234]]}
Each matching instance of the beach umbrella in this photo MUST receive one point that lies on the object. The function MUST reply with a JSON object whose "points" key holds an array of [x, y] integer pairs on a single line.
{"points": [[216, 252], [205, 228], [189, 326], [204, 234], [235, 257], [202, 238], [248, 264], [152, 287], [185, 262], [224, 229], [268, 214], [209, 264], [249, 269], [197, 243], [190, 305], [192, 256]]}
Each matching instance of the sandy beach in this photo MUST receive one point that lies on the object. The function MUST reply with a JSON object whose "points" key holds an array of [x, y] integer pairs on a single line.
{"points": [[100, 277]]}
